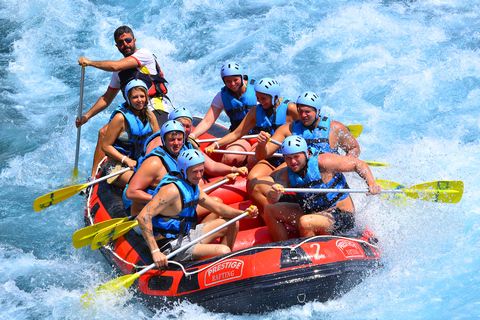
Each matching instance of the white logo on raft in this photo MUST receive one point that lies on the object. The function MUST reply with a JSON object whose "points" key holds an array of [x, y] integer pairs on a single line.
{"points": [[223, 271], [350, 249]]}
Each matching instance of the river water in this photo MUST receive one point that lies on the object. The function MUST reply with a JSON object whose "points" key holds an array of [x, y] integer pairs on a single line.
{"points": [[408, 71]]}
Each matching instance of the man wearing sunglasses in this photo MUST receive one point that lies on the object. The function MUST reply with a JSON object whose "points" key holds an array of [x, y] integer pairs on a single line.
{"points": [[137, 63]]}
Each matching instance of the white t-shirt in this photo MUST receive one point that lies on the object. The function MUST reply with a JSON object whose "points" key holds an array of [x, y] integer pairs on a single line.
{"points": [[217, 101], [144, 58]]}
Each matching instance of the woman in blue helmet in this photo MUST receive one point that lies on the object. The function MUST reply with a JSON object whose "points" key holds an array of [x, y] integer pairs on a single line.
{"points": [[130, 125], [271, 112], [236, 98]]}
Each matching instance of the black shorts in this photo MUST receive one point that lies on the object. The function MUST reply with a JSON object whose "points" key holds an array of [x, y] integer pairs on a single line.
{"points": [[344, 221]]}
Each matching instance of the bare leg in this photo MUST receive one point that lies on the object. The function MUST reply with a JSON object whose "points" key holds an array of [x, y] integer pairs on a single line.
{"points": [[261, 169], [99, 154], [206, 249], [235, 159], [318, 223], [279, 213], [204, 214]]}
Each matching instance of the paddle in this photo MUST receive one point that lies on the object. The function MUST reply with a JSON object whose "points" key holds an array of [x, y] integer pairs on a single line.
{"points": [[250, 136], [79, 129], [126, 281], [279, 155], [84, 236], [355, 130], [100, 236], [436, 191], [57, 196]]}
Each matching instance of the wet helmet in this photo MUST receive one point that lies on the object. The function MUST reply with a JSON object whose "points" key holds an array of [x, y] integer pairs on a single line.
{"points": [[187, 159], [132, 84], [231, 68], [294, 144], [171, 126], [310, 99], [270, 87], [180, 113]]}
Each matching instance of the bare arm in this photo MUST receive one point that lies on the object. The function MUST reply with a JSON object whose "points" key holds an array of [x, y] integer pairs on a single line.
{"points": [[116, 126], [276, 191], [102, 103], [345, 140], [145, 176], [110, 65], [212, 115], [265, 148], [292, 113], [162, 203], [247, 124], [330, 164]]}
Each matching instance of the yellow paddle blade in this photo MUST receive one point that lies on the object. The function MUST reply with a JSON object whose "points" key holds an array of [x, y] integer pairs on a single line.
{"points": [[377, 164], [115, 286], [108, 235], [437, 191], [84, 236], [57, 196], [396, 198], [355, 129], [75, 174]]}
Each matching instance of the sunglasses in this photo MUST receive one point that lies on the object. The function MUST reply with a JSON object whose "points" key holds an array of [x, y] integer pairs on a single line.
{"points": [[127, 40]]}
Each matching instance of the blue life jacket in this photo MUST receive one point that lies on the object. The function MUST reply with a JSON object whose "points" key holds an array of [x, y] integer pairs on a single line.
{"points": [[178, 226], [237, 109], [319, 138], [271, 124], [315, 202], [138, 133], [187, 145], [169, 162]]}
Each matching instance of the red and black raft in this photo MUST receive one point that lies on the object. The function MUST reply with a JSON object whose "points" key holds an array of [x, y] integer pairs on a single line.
{"points": [[258, 276]]}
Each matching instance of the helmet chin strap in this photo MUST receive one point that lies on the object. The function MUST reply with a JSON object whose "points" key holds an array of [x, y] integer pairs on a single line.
{"points": [[313, 125], [303, 171]]}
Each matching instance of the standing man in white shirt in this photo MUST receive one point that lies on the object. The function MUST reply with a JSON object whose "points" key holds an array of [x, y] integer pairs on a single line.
{"points": [[137, 63]]}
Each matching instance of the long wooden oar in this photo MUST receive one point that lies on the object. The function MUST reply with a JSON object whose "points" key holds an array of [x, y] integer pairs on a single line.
{"points": [[436, 191], [100, 234], [79, 129], [57, 196], [126, 281], [279, 155]]}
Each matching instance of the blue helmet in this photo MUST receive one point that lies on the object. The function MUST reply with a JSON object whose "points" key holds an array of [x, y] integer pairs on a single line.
{"points": [[132, 84], [231, 68], [270, 87], [179, 113], [187, 159], [171, 126], [294, 144], [310, 99]]}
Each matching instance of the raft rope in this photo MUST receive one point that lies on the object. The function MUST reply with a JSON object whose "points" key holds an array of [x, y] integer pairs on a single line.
{"points": [[233, 254], [292, 248]]}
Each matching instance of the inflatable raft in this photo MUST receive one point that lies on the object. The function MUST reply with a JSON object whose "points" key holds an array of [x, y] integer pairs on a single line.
{"points": [[258, 276]]}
